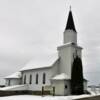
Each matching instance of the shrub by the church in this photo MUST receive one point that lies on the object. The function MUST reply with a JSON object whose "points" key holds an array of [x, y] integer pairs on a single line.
{"points": [[77, 77]]}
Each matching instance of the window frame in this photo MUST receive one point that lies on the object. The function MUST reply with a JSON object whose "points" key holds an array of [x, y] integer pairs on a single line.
{"points": [[9, 82], [44, 78], [30, 79], [24, 79], [37, 77]]}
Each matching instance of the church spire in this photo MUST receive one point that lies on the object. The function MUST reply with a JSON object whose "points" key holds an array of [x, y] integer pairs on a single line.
{"points": [[70, 22]]}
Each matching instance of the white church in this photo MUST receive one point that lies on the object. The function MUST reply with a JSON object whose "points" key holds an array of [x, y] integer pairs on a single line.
{"points": [[54, 71]]}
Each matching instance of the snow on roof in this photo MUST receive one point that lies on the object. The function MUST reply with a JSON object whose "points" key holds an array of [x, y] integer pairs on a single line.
{"points": [[44, 62], [14, 75], [68, 44], [61, 76]]}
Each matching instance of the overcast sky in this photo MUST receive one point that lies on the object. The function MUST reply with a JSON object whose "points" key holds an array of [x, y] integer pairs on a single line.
{"points": [[34, 28]]}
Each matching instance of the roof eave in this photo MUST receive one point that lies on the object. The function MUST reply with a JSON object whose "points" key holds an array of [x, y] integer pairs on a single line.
{"points": [[46, 67]]}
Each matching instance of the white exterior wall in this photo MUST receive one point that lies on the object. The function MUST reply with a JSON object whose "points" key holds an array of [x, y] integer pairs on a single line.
{"points": [[13, 82], [55, 68], [67, 91], [70, 36], [66, 53], [49, 74], [65, 60], [59, 87]]}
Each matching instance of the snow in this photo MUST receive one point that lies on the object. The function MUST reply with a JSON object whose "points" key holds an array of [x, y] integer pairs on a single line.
{"points": [[11, 87], [81, 96], [14, 75], [68, 44], [33, 97], [46, 62], [61, 76], [30, 97], [94, 91]]}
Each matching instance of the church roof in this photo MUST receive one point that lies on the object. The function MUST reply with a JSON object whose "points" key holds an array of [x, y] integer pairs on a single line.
{"points": [[14, 75], [45, 62], [69, 44], [70, 22], [61, 76]]}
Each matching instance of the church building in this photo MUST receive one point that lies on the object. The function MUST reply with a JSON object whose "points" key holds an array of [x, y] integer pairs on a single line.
{"points": [[63, 70]]}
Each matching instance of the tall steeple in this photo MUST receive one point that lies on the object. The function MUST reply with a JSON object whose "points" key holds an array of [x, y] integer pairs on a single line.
{"points": [[70, 22], [70, 31]]}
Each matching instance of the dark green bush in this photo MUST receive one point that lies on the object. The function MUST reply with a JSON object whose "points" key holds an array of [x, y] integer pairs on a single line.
{"points": [[77, 77]]}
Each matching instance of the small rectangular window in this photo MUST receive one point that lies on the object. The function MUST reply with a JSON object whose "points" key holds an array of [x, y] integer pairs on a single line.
{"points": [[25, 79], [8, 82], [44, 78], [37, 78], [30, 81]]}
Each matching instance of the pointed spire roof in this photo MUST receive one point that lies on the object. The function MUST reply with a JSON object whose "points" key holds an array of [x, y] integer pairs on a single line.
{"points": [[70, 22]]}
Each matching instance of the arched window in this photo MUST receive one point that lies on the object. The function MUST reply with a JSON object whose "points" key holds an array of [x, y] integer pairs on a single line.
{"points": [[30, 81], [37, 78], [25, 79], [8, 82], [44, 78]]}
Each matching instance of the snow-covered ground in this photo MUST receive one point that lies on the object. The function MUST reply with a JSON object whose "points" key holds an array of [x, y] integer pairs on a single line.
{"points": [[32, 97]]}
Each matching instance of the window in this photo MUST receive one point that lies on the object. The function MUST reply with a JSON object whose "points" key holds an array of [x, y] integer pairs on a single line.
{"points": [[65, 86], [30, 81], [8, 82], [25, 79], [36, 78], [44, 78]]}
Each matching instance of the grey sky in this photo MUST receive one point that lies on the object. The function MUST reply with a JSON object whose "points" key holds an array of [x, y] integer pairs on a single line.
{"points": [[34, 28]]}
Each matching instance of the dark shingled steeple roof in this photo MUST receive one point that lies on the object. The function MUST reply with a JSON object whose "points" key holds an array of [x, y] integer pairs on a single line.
{"points": [[70, 22]]}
